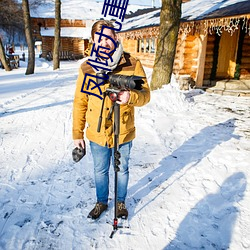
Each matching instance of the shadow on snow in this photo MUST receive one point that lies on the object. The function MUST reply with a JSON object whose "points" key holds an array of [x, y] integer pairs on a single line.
{"points": [[23, 110], [190, 153], [209, 225]]}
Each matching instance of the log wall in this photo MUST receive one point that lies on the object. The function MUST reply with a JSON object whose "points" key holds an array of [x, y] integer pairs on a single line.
{"points": [[245, 61], [186, 56], [50, 22], [132, 46], [73, 45], [179, 59]]}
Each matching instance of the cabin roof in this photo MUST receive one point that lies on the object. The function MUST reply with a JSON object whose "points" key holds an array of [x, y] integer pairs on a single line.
{"points": [[76, 9], [193, 10], [74, 32], [208, 9]]}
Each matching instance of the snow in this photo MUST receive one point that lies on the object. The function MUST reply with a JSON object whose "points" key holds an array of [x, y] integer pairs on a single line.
{"points": [[192, 10], [92, 10], [196, 9], [78, 9], [68, 32], [145, 20], [189, 169]]}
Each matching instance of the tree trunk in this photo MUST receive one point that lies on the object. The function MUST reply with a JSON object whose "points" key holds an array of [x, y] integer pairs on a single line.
{"points": [[29, 38], [169, 27], [56, 59], [3, 57]]}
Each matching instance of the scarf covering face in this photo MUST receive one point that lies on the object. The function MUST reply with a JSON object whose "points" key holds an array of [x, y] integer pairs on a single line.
{"points": [[109, 64]]}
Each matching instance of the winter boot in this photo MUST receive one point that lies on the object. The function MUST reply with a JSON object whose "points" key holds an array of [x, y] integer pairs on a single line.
{"points": [[97, 210], [122, 211]]}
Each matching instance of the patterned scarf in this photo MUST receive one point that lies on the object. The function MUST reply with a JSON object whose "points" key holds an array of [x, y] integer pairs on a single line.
{"points": [[111, 64]]}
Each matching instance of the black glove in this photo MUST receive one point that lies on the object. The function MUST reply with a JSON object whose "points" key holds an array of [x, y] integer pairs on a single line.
{"points": [[78, 153]]}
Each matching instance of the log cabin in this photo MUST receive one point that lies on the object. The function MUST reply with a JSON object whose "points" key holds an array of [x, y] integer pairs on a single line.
{"points": [[75, 36], [77, 19], [213, 41]]}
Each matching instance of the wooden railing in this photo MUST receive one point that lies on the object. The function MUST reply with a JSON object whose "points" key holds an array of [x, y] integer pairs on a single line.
{"points": [[64, 55]]}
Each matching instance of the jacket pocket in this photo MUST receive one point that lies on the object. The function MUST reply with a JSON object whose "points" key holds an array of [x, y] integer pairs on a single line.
{"points": [[127, 120]]}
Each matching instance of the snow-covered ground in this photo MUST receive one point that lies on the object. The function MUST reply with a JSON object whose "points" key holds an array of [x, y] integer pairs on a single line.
{"points": [[189, 170]]}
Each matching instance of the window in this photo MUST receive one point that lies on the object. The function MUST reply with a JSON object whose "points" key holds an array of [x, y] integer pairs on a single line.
{"points": [[146, 45]]}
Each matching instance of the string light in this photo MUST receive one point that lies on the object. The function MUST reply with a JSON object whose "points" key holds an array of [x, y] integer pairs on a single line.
{"points": [[218, 25]]}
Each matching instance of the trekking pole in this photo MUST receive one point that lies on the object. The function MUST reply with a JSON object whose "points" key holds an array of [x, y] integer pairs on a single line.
{"points": [[117, 156]]}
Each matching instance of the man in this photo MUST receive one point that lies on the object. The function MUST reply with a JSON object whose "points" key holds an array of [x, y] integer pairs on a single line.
{"points": [[109, 57]]}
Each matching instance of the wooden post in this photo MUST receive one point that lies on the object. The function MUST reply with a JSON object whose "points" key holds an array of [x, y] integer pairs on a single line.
{"points": [[145, 45], [201, 60], [140, 42], [149, 45]]}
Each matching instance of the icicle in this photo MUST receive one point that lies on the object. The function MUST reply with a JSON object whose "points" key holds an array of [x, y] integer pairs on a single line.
{"points": [[206, 27]]}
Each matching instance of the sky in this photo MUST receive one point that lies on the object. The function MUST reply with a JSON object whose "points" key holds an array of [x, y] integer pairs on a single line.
{"points": [[189, 169]]}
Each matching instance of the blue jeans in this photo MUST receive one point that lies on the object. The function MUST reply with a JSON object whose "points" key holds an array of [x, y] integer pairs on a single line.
{"points": [[102, 157]]}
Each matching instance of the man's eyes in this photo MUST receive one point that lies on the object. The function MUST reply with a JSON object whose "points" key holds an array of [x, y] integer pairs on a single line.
{"points": [[105, 40]]}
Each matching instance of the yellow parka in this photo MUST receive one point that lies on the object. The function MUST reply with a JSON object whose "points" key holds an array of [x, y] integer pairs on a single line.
{"points": [[87, 107]]}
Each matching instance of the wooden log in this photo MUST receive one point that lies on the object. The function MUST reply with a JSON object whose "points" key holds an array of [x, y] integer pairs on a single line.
{"points": [[245, 61]]}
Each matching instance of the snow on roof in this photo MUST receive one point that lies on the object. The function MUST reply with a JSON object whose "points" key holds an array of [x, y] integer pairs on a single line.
{"points": [[79, 32], [76, 9], [191, 11], [197, 9], [141, 16], [148, 19]]}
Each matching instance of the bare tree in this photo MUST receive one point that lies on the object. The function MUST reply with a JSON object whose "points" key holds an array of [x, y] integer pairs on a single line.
{"points": [[169, 27], [28, 33], [3, 57], [56, 59], [11, 24], [36, 3], [11, 16]]}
